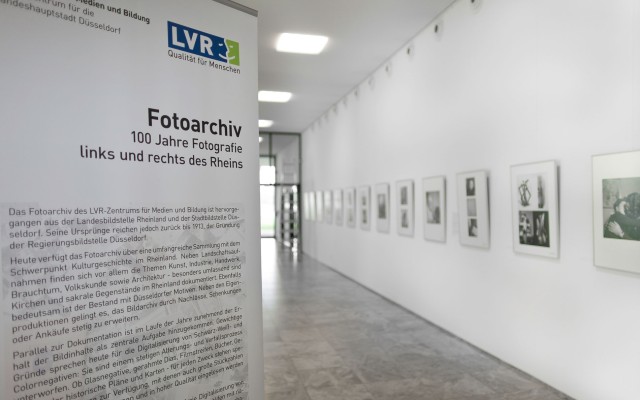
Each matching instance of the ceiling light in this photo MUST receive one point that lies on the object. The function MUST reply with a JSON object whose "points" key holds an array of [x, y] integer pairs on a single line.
{"points": [[274, 97], [299, 43], [264, 123]]}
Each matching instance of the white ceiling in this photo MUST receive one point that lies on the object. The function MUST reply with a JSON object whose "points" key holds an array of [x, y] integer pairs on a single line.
{"points": [[362, 35]]}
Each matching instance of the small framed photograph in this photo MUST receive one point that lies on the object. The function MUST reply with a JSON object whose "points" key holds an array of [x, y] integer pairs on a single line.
{"points": [[350, 206], [473, 208], [337, 207], [405, 207], [616, 211], [534, 205], [364, 207], [381, 208], [328, 207], [319, 207], [305, 206], [311, 201], [434, 207]]}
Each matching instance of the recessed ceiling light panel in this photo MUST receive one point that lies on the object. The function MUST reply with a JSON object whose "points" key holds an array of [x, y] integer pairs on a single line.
{"points": [[302, 44], [273, 97], [265, 123]]}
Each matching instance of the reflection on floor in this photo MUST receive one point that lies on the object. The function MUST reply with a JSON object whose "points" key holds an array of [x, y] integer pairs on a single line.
{"points": [[326, 337]]}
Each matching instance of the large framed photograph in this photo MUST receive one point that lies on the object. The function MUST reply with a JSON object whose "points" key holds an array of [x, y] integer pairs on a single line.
{"points": [[473, 208], [534, 204], [405, 207], [434, 206], [364, 207], [319, 207], [616, 211], [328, 207], [337, 206], [381, 208], [350, 206]]}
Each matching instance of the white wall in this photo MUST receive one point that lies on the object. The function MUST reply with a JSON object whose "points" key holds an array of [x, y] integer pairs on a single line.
{"points": [[511, 82]]}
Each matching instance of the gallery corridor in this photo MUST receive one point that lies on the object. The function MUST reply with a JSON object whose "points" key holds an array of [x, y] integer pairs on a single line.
{"points": [[326, 337]]}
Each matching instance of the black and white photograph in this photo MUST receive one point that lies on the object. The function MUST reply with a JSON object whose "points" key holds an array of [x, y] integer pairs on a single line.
{"points": [[473, 208], [471, 187], [403, 195], [319, 207], [350, 207], [311, 200], [405, 209], [472, 227], [328, 207], [621, 208], [432, 201], [382, 207], [337, 207], [434, 208], [534, 201], [616, 211], [364, 207]]}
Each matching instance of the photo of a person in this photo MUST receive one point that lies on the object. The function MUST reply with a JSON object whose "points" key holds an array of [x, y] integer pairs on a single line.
{"points": [[433, 207], [471, 186], [473, 227], [404, 219], [382, 206], [624, 223]]}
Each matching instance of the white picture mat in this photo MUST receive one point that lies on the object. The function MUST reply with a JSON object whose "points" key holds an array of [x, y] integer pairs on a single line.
{"points": [[364, 207], [435, 231], [337, 207], [481, 197], [328, 207], [612, 253], [382, 191], [350, 207], [548, 170], [405, 212]]}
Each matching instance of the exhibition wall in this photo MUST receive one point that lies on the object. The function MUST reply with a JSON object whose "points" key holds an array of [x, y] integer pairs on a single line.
{"points": [[498, 83]]}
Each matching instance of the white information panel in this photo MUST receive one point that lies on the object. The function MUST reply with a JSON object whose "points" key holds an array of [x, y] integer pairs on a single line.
{"points": [[129, 218]]}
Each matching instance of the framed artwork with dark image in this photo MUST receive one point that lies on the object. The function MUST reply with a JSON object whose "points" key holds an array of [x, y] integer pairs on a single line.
{"points": [[473, 208], [382, 208], [616, 211], [434, 208], [405, 207], [534, 203]]}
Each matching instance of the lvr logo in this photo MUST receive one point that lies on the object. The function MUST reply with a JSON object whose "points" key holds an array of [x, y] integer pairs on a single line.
{"points": [[203, 44]]}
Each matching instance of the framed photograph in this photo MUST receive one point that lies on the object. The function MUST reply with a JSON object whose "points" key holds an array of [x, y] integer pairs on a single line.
{"points": [[434, 206], [350, 206], [328, 207], [364, 207], [311, 199], [473, 208], [534, 205], [616, 211], [381, 208], [337, 206], [405, 207], [319, 207]]}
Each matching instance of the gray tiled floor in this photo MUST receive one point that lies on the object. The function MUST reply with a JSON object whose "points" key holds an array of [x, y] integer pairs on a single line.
{"points": [[326, 337]]}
